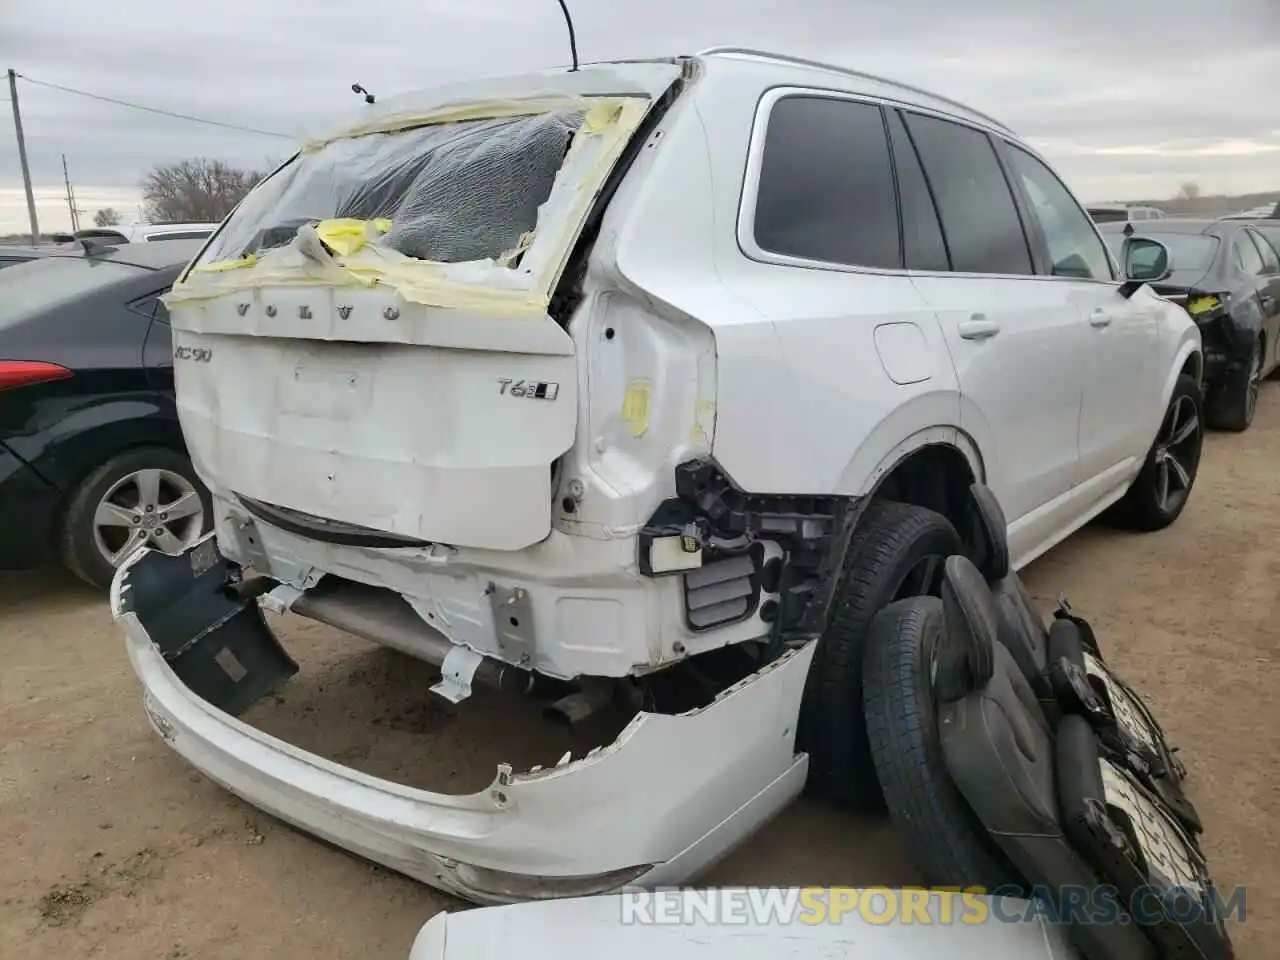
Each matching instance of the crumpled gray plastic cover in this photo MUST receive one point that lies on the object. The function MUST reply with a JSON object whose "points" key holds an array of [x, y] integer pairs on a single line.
{"points": [[453, 192]]}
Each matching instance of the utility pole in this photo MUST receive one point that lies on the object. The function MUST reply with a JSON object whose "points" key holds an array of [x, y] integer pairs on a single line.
{"points": [[71, 197], [22, 157]]}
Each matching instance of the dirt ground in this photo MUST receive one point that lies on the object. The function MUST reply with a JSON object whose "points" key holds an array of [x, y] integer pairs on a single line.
{"points": [[115, 848]]}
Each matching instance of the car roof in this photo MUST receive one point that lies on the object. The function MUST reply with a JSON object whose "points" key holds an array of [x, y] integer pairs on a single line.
{"points": [[631, 77], [155, 255], [904, 92]]}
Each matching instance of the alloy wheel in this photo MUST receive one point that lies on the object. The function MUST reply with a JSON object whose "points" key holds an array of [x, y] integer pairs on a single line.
{"points": [[1251, 388], [1177, 452], [147, 508]]}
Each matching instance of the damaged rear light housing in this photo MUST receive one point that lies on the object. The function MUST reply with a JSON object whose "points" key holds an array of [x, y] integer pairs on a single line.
{"points": [[1206, 306], [23, 373]]}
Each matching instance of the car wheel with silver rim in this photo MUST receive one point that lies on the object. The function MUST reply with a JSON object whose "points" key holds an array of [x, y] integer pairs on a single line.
{"points": [[1163, 486], [145, 497], [1233, 404]]}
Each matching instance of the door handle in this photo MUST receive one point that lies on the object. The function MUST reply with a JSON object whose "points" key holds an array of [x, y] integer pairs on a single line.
{"points": [[978, 327], [1099, 319]]}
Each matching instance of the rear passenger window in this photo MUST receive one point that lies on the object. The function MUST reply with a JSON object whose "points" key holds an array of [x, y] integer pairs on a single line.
{"points": [[979, 219], [826, 184], [1270, 260], [1247, 256], [1074, 248], [922, 244]]}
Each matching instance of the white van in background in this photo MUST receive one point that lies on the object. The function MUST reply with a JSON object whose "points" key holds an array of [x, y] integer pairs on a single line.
{"points": [[140, 232], [1123, 212]]}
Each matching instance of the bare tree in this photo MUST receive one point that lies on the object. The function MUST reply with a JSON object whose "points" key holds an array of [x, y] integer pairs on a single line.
{"points": [[106, 217], [195, 191], [1189, 191]]}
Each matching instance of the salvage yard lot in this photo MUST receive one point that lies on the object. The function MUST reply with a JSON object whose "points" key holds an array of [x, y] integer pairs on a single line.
{"points": [[114, 848]]}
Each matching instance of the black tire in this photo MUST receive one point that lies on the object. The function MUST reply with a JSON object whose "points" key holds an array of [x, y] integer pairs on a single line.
{"points": [[1144, 507], [77, 546], [1233, 403], [947, 841], [892, 542]]}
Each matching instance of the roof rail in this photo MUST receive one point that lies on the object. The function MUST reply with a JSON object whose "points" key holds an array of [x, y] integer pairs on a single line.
{"points": [[836, 68]]}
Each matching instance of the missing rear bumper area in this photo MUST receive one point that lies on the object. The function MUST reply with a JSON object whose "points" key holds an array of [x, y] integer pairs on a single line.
{"points": [[670, 794]]}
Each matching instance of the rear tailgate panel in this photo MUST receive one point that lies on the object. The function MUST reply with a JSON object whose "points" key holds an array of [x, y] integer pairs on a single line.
{"points": [[428, 400], [425, 442]]}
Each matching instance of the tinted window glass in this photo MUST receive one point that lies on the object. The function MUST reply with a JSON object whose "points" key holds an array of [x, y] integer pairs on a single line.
{"points": [[979, 219], [826, 184], [1270, 259], [1272, 234], [1102, 215], [36, 285], [1190, 254], [1074, 247], [188, 235], [1247, 256], [922, 242]]}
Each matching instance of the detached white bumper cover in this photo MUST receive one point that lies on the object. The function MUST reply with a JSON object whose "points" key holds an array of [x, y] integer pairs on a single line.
{"points": [[669, 796], [589, 928]]}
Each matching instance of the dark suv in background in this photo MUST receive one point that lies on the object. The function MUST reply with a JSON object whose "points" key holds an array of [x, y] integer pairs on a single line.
{"points": [[92, 460]]}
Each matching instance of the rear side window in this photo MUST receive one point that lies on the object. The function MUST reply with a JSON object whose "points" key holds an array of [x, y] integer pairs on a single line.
{"points": [[1270, 260], [979, 218], [1074, 248], [1272, 235], [185, 235], [1247, 256], [922, 245], [38, 285], [826, 184]]}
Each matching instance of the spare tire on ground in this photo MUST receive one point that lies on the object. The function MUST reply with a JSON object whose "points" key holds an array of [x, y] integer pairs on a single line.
{"points": [[897, 551], [947, 842]]}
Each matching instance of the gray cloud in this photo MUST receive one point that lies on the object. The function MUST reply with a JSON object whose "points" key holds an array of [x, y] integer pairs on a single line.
{"points": [[1128, 99]]}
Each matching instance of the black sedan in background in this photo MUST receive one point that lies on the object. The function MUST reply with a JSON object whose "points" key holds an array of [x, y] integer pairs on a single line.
{"points": [[1226, 273], [92, 461], [11, 256]]}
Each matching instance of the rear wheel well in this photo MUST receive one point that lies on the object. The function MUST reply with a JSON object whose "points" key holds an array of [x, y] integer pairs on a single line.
{"points": [[936, 477], [1193, 366]]}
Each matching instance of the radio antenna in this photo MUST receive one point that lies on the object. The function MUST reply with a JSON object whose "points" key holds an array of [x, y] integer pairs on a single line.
{"points": [[356, 88], [573, 40]]}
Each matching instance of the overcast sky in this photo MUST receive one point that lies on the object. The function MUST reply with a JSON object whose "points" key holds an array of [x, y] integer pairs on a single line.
{"points": [[1129, 99]]}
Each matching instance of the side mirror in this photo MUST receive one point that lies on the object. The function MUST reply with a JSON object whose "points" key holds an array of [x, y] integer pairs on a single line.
{"points": [[1146, 261]]}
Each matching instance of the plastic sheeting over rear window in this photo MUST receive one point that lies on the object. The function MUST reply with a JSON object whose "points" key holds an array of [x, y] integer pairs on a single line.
{"points": [[453, 192]]}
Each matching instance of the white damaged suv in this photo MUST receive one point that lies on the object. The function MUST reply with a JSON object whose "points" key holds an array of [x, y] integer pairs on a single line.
{"points": [[636, 388]]}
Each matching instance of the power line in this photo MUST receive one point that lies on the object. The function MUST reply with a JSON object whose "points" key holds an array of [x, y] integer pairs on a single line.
{"points": [[163, 113]]}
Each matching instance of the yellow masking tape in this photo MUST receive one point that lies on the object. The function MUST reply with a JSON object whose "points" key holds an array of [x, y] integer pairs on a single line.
{"points": [[222, 266], [455, 113], [346, 235], [635, 407], [600, 116]]}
